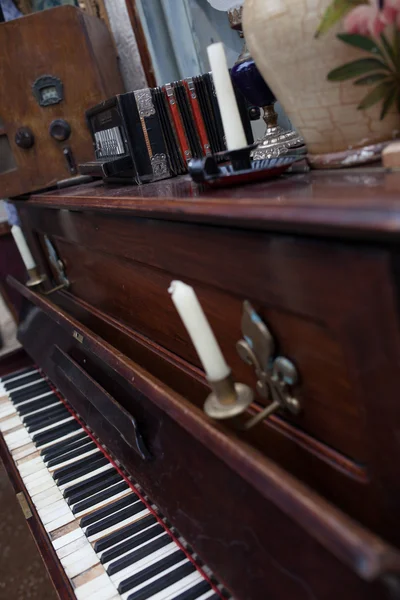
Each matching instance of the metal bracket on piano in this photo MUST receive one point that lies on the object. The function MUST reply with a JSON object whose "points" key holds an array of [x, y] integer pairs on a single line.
{"points": [[275, 376]]}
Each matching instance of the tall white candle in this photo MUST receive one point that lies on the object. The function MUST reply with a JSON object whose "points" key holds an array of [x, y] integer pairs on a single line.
{"points": [[20, 240], [203, 338], [233, 127]]}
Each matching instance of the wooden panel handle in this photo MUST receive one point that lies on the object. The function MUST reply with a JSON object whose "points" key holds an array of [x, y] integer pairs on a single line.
{"points": [[113, 412]]}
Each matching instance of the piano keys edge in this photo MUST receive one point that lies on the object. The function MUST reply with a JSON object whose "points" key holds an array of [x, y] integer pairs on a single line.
{"points": [[53, 566]]}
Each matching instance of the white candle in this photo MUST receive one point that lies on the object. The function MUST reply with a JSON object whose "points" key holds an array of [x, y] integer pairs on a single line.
{"points": [[20, 240], [233, 127], [195, 321]]}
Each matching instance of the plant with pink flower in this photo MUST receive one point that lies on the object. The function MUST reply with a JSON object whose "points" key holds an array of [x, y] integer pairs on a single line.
{"points": [[372, 26]]}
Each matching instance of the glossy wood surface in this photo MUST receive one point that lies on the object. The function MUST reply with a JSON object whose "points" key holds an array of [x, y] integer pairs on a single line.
{"points": [[316, 296], [82, 56], [331, 303], [353, 203], [322, 539]]}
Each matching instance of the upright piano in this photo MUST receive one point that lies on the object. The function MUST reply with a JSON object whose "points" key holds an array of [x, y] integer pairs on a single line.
{"points": [[130, 489]]}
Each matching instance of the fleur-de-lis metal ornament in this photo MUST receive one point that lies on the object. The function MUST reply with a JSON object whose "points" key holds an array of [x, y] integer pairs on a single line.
{"points": [[275, 374]]}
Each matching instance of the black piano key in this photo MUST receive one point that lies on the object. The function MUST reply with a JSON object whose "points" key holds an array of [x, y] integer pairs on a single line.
{"points": [[151, 571], [6, 378], [83, 486], [131, 543], [45, 414], [136, 555], [28, 379], [52, 420], [163, 582], [105, 511], [65, 446], [77, 465], [86, 489], [30, 392], [115, 518], [92, 465], [25, 409], [72, 454], [124, 533], [195, 592], [55, 433], [109, 492]]}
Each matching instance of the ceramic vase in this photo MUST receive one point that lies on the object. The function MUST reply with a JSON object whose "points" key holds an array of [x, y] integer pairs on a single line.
{"points": [[281, 38]]}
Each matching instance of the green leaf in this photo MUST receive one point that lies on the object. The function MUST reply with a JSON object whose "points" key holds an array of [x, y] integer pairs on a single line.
{"points": [[376, 95], [335, 12], [355, 68], [389, 49], [370, 79], [390, 98], [360, 41]]}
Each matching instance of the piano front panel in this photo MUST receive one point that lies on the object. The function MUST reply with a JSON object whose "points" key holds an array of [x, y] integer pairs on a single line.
{"points": [[311, 293], [251, 542]]}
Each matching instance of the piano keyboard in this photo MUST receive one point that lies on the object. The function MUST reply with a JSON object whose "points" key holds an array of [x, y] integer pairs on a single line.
{"points": [[111, 542], [109, 143]]}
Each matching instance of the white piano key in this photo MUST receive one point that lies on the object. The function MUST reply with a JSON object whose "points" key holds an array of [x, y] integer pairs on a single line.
{"points": [[122, 494], [40, 486], [66, 539], [80, 561], [97, 471], [86, 590], [158, 576], [10, 423], [7, 410], [63, 520], [41, 474], [82, 552], [107, 593], [145, 562], [31, 466], [54, 511], [16, 439], [72, 547], [24, 451], [39, 496], [75, 459], [47, 499], [206, 595], [60, 422], [183, 585], [128, 521]]}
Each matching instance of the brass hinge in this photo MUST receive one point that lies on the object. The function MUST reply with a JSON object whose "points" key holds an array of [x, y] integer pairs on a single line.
{"points": [[24, 505]]}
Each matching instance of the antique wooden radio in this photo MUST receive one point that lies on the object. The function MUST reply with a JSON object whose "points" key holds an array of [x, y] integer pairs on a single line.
{"points": [[54, 65]]}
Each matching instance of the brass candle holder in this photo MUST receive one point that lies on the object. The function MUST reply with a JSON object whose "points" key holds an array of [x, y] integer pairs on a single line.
{"points": [[275, 377], [228, 399], [35, 278]]}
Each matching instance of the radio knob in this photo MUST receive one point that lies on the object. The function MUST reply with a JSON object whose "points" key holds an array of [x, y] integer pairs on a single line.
{"points": [[24, 138], [60, 130]]}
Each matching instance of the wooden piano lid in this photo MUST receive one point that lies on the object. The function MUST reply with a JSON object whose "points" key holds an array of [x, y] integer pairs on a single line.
{"points": [[356, 203]]}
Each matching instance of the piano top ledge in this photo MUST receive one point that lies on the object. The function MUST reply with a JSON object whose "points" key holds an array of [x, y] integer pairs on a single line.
{"points": [[358, 203]]}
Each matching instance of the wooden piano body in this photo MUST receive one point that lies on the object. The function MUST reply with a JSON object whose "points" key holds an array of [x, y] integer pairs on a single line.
{"points": [[300, 507]]}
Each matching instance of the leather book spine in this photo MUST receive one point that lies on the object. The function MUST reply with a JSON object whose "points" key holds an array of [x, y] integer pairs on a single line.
{"points": [[198, 117], [178, 121]]}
